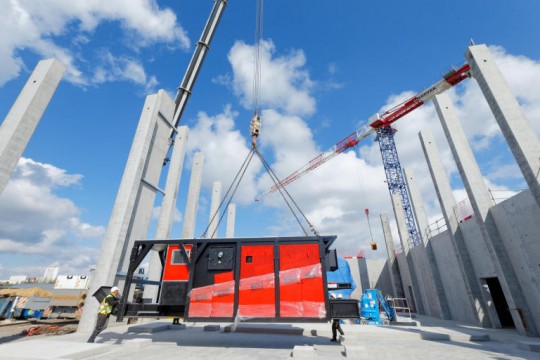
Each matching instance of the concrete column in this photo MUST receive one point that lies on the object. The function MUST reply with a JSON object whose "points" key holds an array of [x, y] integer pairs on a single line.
{"points": [[481, 202], [355, 273], [393, 267], [214, 210], [416, 297], [516, 129], [168, 207], [364, 274], [23, 117], [231, 216], [190, 215], [447, 203], [426, 266], [132, 209]]}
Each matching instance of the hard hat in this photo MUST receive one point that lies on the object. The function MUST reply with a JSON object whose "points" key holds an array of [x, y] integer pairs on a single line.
{"points": [[339, 296], [114, 288], [332, 296]]}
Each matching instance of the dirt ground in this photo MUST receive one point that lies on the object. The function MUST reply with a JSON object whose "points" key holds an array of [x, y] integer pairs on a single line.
{"points": [[11, 331]]}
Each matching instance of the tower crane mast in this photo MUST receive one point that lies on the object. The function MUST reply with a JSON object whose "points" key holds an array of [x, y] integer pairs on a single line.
{"points": [[452, 78]]}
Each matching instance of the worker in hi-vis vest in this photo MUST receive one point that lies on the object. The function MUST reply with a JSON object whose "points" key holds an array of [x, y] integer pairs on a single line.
{"points": [[105, 309]]}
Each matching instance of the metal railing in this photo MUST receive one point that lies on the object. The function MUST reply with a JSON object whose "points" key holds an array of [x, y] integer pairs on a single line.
{"points": [[400, 306]]}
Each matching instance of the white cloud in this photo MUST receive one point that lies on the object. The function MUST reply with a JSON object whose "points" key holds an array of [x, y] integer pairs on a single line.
{"points": [[522, 75], [334, 196], [40, 26], [225, 150], [286, 83], [114, 68], [35, 222]]}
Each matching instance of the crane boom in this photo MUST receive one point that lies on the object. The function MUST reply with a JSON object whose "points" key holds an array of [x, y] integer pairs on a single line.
{"points": [[453, 77]]}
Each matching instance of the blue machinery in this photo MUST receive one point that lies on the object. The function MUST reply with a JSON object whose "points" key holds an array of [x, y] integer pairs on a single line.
{"points": [[370, 312]]}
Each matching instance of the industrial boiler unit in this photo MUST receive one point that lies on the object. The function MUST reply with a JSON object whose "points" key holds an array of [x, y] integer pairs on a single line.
{"points": [[271, 279]]}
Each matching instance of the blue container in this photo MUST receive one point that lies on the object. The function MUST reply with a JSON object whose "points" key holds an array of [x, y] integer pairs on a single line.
{"points": [[27, 313]]}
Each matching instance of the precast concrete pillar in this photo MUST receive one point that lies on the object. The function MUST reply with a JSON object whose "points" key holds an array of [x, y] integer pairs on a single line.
{"points": [[355, 273], [168, 207], [214, 210], [515, 128], [395, 276], [190, 215], [364, 274], [412, 291], [132, 211], [23, 117], [231, 216], [424, 259], [472, 295], [514, 287]]}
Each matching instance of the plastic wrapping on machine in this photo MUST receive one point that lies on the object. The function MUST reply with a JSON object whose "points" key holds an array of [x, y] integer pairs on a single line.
{"points": [[257, 296], [301, 292], [222, 299], [212, 300]]}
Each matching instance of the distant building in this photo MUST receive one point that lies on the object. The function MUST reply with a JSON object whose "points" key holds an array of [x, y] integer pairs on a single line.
{"points": [[51, 273], [72, 282], [17, 279]]}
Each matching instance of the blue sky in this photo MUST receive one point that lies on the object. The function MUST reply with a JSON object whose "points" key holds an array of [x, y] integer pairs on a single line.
{"points": [[327, 66]]}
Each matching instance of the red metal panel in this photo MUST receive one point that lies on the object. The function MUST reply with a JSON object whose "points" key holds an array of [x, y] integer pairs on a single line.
{"points": [[257, 283], [223, 295], [178, 272], [301, 292]]}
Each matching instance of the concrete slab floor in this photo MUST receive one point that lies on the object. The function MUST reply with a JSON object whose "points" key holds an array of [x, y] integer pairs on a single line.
{"points": [[429, 339]]}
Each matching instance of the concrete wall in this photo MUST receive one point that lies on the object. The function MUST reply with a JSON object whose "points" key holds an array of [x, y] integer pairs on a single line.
{"points": [[524, 215], [355, 273], [520, 236], [406, 280], [453, 282], [423, 271], [373, 273], [517, 220], [483, 266]]}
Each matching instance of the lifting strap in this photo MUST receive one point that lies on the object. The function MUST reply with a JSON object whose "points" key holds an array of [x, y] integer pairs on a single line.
{"points": [[255, 128]]}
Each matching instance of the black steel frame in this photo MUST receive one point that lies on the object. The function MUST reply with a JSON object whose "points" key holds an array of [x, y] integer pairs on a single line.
{"points": [[141, 249]]}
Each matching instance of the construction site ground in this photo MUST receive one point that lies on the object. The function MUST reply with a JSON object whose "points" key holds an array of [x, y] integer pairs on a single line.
{"points": [[421, 338]]}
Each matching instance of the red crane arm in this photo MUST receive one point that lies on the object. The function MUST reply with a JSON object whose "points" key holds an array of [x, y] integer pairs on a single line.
{"points": [[453, 77]]}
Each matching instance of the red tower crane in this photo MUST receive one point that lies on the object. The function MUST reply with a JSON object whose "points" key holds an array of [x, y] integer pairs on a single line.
{"points": [[453, 77]]}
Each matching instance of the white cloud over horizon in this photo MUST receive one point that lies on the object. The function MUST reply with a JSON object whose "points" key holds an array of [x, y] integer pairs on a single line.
{"points": [[35, 222]]}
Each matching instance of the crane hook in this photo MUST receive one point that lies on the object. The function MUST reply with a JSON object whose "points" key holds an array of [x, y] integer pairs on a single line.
{"points": [[255, 128]]}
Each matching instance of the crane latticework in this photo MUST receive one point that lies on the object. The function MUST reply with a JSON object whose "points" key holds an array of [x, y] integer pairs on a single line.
{"points": [[395, 178]]}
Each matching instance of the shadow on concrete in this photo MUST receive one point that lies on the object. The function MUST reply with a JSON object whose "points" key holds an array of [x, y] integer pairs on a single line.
{"points": [[196, 336], [463, 337]]}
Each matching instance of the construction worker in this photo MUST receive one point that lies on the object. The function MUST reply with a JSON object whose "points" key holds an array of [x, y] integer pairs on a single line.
{"points": [[105, 309], [336, 322]]}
